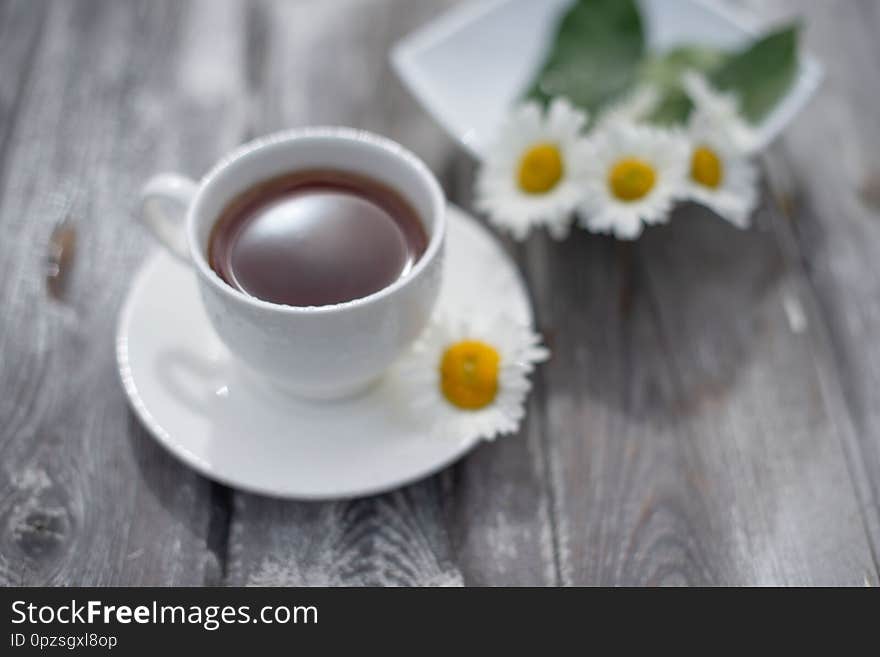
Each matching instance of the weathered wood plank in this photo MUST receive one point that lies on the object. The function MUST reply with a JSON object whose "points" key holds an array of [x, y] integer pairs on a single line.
{"points": [[689, 439], [20, 25], [503, 512], [327, 63], [86, 497], [827, 172]]}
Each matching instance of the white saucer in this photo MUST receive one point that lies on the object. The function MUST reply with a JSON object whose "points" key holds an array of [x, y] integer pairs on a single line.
{"points": [[192, 397]]}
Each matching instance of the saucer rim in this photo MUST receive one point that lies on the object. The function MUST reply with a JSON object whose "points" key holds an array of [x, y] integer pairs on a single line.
{"points": [[199, 465]]}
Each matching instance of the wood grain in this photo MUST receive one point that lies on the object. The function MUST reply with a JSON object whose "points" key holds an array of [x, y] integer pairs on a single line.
{"points": [[20, 26], [827, 170], [690, 442], [86, 497]]}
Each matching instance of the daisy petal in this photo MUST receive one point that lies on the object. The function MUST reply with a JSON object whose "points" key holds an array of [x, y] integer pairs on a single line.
{"points": [[634, 174], [530, 176], [419, 382]]}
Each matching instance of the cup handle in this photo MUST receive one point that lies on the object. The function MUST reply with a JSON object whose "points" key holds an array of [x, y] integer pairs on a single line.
{"points": [[164, 201]]}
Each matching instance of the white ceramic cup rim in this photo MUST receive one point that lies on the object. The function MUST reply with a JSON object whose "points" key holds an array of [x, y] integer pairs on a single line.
{"points": [[436, 229]]}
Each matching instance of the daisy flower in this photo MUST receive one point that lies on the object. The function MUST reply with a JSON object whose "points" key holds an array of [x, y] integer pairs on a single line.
{"points": [[530, 176], [469, 380], [719, 110], [721, 177], [633, 175], [634, 107]]}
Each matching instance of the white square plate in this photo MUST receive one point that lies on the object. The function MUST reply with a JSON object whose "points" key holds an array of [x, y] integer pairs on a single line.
{"points": [[470, 65]]}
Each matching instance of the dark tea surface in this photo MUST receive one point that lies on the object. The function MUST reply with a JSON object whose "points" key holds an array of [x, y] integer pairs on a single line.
{"points": [[317, 237]]}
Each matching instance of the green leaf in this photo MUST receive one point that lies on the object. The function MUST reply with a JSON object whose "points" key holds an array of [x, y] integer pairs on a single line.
{"points": [[759, 75], [665, 70], [595, 55], [673, 108], [762, 73], [664, 73], [598, 55]]}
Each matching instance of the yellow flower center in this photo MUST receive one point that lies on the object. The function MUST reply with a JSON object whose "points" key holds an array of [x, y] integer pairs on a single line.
{"points": [[631, 178], [540, 168], [469, 374], [706, 167]]}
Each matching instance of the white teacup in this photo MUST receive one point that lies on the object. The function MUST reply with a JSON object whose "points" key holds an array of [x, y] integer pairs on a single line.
{"points": [[321, 351]]}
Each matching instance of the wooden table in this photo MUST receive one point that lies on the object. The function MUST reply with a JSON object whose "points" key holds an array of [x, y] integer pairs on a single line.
{"points": [[711, 416]]}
